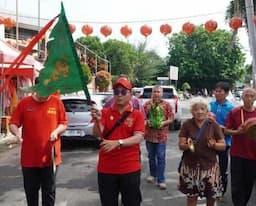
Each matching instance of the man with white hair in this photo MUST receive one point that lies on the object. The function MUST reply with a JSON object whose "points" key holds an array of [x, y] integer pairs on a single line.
{"points": [[243, 149]]}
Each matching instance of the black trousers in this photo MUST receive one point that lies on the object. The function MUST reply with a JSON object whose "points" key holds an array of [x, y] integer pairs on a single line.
{"points": [[223, 162], [110, 185], [243, 177], [35, 178]]}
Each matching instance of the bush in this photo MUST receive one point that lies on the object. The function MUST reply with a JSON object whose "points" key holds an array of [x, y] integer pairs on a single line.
{"points": [[86, 72], [103, 79]]}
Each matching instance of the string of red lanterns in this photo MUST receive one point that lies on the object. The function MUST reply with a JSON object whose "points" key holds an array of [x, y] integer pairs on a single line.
{"points": [[145, 30], [210, 25], [126, 31], [72, 28], [188, 28], [8, 22], [87, 30], [165, 29], [106, 30]]}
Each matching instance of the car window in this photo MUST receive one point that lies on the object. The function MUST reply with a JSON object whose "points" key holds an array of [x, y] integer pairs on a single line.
{"points": [[167, 93], [76, 105]]}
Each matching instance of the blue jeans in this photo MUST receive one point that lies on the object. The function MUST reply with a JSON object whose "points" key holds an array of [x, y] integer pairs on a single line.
{"points": [[156, 157]]}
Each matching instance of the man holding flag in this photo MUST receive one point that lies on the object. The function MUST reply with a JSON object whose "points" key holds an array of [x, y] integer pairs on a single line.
{"points": [[42, 115]]}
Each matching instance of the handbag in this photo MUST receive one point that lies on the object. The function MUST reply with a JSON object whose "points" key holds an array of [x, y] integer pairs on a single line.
{"points": [[118, 123]]}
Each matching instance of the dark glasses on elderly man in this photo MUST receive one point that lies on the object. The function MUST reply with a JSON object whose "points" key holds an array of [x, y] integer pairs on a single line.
{"points": [[123, 92]]}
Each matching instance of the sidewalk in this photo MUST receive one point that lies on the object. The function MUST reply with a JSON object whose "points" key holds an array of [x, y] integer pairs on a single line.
{"points": [[5, 147]]}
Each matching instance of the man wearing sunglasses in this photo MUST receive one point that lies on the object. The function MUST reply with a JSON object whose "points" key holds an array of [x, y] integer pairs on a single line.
{"points": [[136, 103], [119, 165]]}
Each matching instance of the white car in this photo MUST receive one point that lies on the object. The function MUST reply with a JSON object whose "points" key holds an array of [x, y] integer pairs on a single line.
{"points": [[79, 119], [169, 94]]}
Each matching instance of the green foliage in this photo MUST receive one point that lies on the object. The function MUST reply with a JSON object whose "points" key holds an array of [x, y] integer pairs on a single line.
{"points": [[148, 66], [93, 43], [204, 58], [103, 80], [121, 55], [185, 86], [87, 73]]}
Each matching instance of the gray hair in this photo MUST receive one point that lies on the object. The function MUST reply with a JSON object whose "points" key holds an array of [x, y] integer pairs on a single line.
{"points": [[199, 101], [248, 90]]}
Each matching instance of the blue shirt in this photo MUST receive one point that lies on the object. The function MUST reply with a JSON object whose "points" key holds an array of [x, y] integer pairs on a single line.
{"points": [[221, 111]]}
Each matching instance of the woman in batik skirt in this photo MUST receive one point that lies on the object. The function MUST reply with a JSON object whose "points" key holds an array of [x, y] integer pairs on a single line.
{"points": [[200, 138]]}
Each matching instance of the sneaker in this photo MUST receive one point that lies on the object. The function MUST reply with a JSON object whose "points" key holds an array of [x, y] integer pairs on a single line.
{"points": [[150, 179], [162, 186]]}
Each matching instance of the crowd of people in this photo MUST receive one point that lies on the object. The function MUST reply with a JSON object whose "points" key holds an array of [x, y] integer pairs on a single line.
{"points": [[215, 132]]}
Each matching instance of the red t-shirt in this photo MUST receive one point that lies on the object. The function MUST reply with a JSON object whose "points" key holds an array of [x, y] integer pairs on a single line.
{"points": [[125, 159], [38, 120], [241, 145]]}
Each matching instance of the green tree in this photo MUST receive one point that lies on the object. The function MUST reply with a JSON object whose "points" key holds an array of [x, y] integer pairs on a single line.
{"points": [[87, 72], [122, 57], [141, 66], [93, 43], [204, 58]]}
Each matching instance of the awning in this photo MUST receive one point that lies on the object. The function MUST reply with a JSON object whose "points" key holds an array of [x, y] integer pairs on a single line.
{"points": [[24, 72]]}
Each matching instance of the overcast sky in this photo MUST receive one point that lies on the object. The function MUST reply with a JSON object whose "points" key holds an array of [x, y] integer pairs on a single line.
{"points": [[135, 13]]}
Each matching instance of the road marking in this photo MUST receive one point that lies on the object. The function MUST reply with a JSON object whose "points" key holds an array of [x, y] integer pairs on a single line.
{"points": [[173, 197], [62, 203]]}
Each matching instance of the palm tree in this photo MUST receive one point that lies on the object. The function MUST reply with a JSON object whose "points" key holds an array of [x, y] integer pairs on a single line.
{"points": [[237, 8], [242, 9]]}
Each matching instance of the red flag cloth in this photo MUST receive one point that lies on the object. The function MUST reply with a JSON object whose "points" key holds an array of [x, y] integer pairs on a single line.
{"points": [[16, 63]]}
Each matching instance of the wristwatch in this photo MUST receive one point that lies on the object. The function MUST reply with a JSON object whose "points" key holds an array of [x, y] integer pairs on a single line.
{"points": [[120, 142]]}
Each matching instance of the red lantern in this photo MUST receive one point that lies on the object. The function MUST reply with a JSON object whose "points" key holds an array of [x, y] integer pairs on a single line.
{"points": [[72, 28], [105, 30], [165, 29], [126, 31], [188, 28], [145, 30], [87, 29], [210, 25], [235, 23], [1, 20], [9, 22]]}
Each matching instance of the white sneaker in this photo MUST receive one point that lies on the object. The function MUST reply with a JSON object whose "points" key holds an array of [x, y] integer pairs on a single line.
{"points": [[150, 179], [162, 186]]}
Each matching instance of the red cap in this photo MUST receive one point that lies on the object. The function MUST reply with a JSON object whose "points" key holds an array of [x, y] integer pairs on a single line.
{"points": [[123, 82]]}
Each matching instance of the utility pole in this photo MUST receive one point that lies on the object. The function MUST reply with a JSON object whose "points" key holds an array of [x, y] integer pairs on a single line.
{"points": [[38, 19], [17, 25], [252, 36]]}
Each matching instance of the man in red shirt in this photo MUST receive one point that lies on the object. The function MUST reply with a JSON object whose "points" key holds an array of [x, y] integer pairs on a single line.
{"points": [[119, 165], [42, 120], [243, 149]]}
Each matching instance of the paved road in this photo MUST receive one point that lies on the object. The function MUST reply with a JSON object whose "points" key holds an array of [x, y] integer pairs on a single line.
{"points": [[77, 183]]}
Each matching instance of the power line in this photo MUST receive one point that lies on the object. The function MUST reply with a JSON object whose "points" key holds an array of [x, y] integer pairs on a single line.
{"points": [[123, 22]]}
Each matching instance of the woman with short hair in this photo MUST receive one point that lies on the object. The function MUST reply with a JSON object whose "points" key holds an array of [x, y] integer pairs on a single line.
{"points": [[200, 138]]}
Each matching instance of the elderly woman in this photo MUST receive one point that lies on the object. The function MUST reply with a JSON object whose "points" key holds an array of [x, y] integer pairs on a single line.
{"points": [[200, 138]]}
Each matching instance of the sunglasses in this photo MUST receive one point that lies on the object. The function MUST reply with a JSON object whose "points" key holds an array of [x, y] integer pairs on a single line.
{"points": [[123, 92]]}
